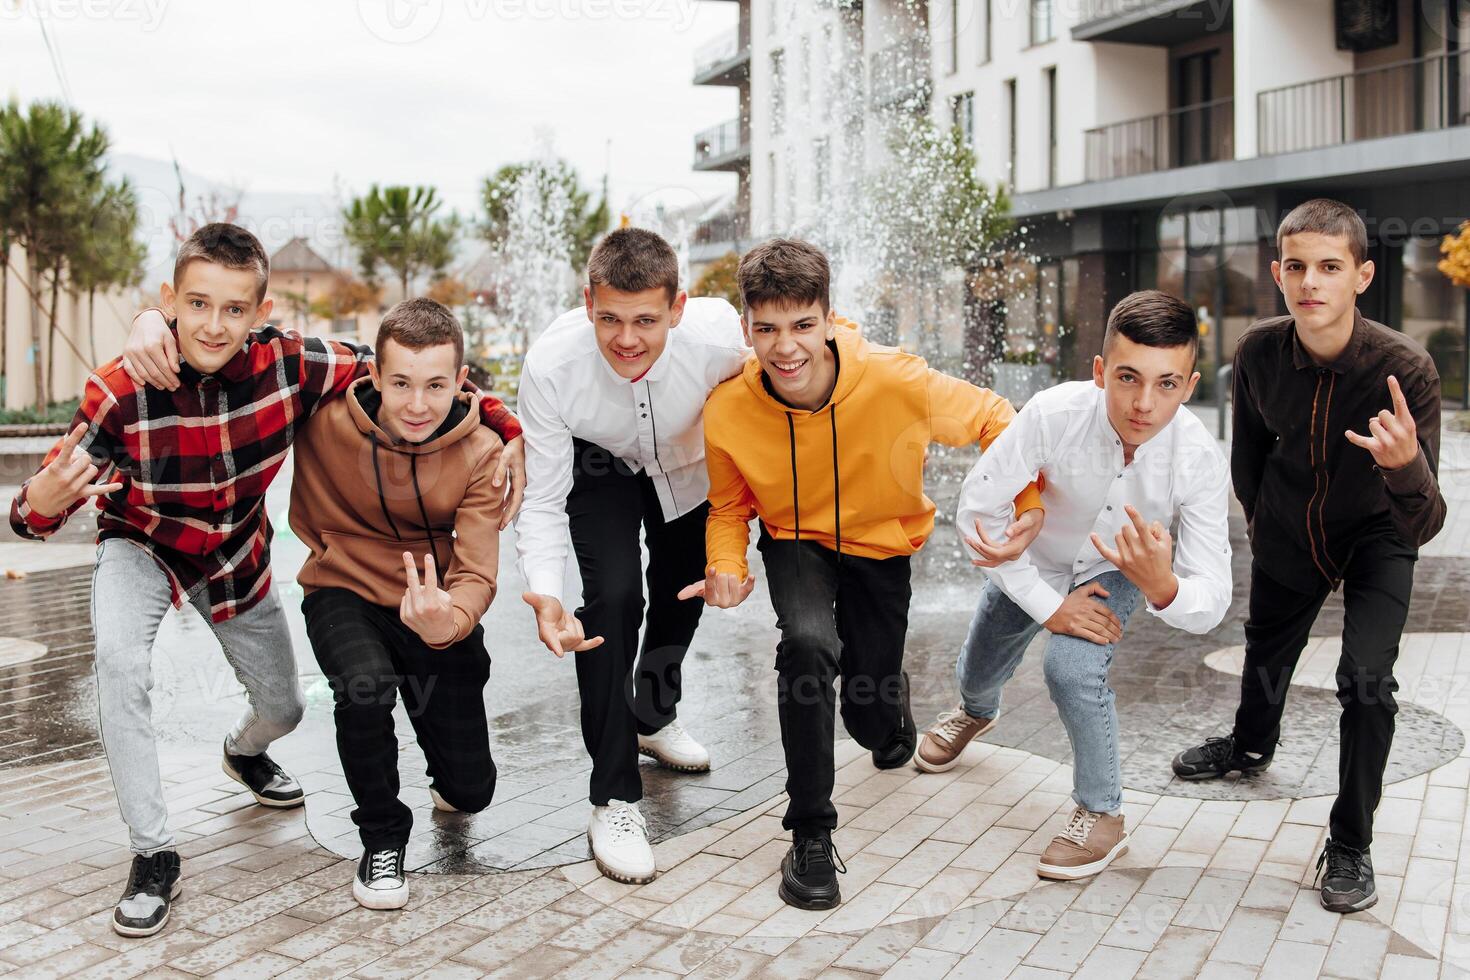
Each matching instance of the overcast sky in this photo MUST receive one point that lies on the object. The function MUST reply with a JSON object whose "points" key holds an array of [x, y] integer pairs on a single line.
{"points": [[290, 96]]}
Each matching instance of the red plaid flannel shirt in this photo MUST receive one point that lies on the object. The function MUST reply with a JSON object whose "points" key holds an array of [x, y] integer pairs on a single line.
{"points": [[195, 463]]}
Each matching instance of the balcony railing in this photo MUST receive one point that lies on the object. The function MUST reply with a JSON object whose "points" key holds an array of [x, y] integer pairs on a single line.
{"points": [[728, 228], [1202, 133], [899, 75], [720, 51], [720, 145], [1408, 97]]}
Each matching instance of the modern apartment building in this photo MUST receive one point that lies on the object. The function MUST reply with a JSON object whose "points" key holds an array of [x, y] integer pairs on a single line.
{"points": [[1146, 144]]}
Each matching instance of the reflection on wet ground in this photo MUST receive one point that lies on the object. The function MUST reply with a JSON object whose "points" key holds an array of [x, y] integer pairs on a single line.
{"points": [[1167, 698]]}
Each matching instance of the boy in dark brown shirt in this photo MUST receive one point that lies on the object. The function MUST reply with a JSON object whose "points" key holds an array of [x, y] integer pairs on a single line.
{"points": [[1335, 460]]}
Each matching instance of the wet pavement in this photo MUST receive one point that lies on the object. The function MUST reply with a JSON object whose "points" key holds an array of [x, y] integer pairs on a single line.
{"points": [[1168, 698]]}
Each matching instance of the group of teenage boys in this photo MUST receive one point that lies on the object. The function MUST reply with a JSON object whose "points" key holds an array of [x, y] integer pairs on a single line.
{"points": [[645, 410]]}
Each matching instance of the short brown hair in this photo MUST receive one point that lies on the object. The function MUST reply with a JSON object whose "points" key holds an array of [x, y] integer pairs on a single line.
{"points": [[786, 271], [1325, 216], [632, 260], [230, 246], [419, 323], [1153, 319]]}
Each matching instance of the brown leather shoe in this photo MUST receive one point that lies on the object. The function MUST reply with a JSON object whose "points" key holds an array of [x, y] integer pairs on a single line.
{"points": [[941, 746], [1085, 846]]}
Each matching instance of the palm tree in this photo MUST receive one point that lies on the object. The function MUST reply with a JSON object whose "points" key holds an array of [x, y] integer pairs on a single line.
{"points": [[109, 254], [397, 227], [51, 167]]}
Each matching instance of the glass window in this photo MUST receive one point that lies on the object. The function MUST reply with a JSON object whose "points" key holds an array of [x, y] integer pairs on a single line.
{"points": [[986, 22], [1433, 313], [962, 115], [1042, 28], [778, 92]]}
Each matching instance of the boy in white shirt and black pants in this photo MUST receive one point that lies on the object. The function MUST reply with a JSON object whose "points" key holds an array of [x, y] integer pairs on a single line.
{"points": [[1121, 464], [612, 401]]}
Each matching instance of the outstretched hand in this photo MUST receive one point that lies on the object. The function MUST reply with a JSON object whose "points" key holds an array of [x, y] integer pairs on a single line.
{"points": [[558, 629], [1145, 556], [67, 479], [721, 589]]}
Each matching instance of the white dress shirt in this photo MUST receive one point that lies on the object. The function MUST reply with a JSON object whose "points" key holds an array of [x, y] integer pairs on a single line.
{"points": [[656, 424], [1179, 478]]}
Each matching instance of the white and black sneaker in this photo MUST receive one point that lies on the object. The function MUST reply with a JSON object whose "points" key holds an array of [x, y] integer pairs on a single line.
{"points": [[152, 886], [268, 783], [1348, 884], [380, 881]]}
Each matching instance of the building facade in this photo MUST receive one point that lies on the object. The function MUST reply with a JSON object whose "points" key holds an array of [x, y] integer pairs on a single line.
{"points": [[1144, 144]]}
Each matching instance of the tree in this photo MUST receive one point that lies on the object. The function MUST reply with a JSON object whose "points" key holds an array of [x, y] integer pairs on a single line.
{"points": [[1456, 261], [718, 279], [558, 193], [348, 297], [109, 255], [449, 291], [397, 227], [51, 170], [215, 205]]}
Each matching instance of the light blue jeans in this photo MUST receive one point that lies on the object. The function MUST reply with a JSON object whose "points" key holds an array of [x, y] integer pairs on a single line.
{"points": [[130, 595], [1076, 676]]}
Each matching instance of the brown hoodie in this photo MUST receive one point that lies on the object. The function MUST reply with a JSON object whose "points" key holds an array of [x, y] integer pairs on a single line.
{"points": [[359, 500]]}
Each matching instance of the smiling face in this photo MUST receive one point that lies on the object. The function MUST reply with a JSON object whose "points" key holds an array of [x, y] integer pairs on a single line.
{"points": [[632, 328], [1320, 281], [418, 388], [216, 308], [791, 344], [1144, 386]]}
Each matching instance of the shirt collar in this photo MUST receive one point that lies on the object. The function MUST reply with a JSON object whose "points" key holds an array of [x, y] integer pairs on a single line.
{"points": [[236, 368], [660, 367], [1302, 359]]}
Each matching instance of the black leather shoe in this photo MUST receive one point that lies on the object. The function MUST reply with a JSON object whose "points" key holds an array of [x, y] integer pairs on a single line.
{"points": [[152, 886], [901, 749], [809, 872], [1348, 885], [1218, 757]]}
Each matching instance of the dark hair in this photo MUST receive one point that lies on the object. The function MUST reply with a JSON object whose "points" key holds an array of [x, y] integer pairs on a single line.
{"points": [[419, 323], [230, 246], [786, 271], [1153, 319], [631, 260], [1327, 217]]}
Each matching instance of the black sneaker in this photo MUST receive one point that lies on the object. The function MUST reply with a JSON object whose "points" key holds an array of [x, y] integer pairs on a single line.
{"points": [[1218, 757], [1348, 884], [380, 881], [809, 872], [267, 782], [901, 749], [152, 886]]}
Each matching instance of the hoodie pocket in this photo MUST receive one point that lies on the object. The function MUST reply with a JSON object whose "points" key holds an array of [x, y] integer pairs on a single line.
{"points": [[341, 551]]}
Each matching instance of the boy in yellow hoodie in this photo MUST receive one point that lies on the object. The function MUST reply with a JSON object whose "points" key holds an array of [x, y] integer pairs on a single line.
{"points": [[823, 435]]}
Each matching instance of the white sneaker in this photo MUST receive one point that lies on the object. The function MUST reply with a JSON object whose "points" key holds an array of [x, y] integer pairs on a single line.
{"points": [[440, 803], [380, 882], [672, 747], [619, 839]]}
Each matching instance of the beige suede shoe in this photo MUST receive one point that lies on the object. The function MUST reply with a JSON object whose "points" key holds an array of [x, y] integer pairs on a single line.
{"points": [[1087, 845], [942, 745]]}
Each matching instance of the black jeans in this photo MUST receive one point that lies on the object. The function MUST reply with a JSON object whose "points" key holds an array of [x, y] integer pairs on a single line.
{"points": [[1376, 586], [370, 657], [607, 505], [841, 616]]}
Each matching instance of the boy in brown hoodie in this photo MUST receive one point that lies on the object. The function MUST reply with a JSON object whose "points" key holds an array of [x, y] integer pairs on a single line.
{"points": [[394, 478]]}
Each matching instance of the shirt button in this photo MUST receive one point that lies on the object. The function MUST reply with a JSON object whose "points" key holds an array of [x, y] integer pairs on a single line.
{"points": [[1110, 506], [642, 404], [219, 456], [645, 415]]}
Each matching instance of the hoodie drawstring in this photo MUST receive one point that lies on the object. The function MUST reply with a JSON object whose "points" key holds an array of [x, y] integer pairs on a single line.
{"points": [[378, 476], [796, 487], [413, 472], [836, 485]]}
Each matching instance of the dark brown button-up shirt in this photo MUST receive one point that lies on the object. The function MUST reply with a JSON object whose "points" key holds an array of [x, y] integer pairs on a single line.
{"points": [[1309, 494]]}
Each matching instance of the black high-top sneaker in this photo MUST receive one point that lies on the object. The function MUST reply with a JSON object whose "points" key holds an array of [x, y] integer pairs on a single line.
{"points": [[152, 886], [268, 783], [809, 871], [1348, 885], [1218, 757], [380, 881]]}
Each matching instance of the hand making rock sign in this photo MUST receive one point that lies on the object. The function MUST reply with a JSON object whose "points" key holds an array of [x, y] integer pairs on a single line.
{"points": [[1393, 443], [68, 478]]}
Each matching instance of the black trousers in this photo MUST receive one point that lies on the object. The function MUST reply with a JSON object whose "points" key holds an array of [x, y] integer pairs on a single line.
{"points": [[1376, 586], [369, 657], [839, 616], [606, 507]]}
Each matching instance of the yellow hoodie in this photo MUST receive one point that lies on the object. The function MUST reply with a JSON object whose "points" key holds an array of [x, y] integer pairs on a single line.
{"points": [[865, 447]]}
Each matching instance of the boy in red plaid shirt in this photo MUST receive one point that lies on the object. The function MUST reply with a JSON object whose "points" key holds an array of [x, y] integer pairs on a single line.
{"points": [[182, 518]]}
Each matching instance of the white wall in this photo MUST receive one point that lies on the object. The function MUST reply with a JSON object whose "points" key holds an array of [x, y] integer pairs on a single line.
{"points": [[114, 314], [1280, 42]]}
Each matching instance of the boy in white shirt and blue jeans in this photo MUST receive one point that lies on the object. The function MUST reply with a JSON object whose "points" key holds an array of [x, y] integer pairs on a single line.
{"points": [[1122, 465]]}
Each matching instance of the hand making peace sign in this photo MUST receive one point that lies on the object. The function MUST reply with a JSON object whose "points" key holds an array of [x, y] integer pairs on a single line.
{"points": [[426, 608], [1393, 443]]}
